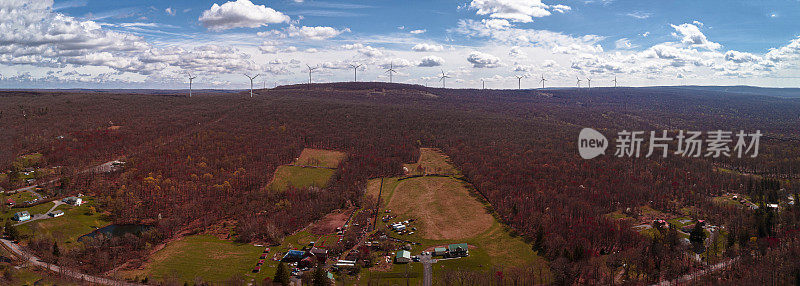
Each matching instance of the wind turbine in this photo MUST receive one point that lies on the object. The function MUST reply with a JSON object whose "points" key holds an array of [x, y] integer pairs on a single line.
{"points": [[191, 78], [519, 81], [355, 71], [615, 81], [483, 84], [310, 69], [590, 81], [251, 82], [542, 81], [579, 81], [443, 79], [390, 71]]}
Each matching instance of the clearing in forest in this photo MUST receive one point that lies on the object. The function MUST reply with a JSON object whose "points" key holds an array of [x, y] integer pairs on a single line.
{"points": [[320, 158], [314, 168], [431, 161], [447, 210]]}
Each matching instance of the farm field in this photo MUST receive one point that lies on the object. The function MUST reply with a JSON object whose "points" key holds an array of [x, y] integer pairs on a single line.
{"points": [[431, 161], [213, 259], [446, 211], [304, 173]]}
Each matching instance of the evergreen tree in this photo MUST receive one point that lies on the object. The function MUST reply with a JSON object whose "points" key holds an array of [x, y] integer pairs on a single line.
{"points": [[320, 277], [11, 231], [697, 237], [56, 251], [281, 275]]}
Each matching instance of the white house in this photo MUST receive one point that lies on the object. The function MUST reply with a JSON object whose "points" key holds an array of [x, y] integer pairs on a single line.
{"points": [[75, 201], [22, 216]]}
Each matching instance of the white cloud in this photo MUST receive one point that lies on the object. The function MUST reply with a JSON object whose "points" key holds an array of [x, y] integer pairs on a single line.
{"points": [[515, 10], [416, 32], [640, 15], [240, 14], [691, 35], [315, 33], [423, 47], [170, 11], [561, 8], [517, 53], [431, 61], [624, 44], [483, 60]]}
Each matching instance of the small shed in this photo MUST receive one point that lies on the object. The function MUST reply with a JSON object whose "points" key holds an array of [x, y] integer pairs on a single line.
{"points": [[402, 256], [56, 213], [439, 251]]}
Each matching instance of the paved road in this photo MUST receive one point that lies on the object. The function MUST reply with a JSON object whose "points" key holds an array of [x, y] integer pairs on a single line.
{"points": [[427, 269], [33, 260], [691, 276]]}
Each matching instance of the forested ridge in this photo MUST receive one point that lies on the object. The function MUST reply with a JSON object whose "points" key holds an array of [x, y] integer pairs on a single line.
{"points": [[196, 162]]}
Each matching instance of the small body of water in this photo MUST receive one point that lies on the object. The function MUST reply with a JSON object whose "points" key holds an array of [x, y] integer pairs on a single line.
{"points": [[115, 230]]}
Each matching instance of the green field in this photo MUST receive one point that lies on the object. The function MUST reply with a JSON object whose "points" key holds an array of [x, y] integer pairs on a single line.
{"points": [[21, 197], [67, 228], [300, 177], [213, 259]]}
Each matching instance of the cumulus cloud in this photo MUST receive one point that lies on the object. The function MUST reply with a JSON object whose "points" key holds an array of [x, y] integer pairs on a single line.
{"points": [[170, 11], [691, 35], [431, 61], [515, 10], [315, 33], [240, 14], [423, 47], [483, 60], [416, 32]]}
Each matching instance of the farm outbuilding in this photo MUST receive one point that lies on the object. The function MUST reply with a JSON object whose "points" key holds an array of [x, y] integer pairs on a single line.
{"points": [[439, 251], [402, 256], [56, 213]]}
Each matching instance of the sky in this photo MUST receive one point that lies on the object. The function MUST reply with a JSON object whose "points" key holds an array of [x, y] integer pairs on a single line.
{"points": [[158, 44]]}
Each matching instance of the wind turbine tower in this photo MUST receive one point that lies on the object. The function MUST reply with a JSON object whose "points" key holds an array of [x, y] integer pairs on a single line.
{"points": [[251, 82], [310, 70], [589, 80], [519, 82], [443, 78], [615, 81], [191, 78], [483, 83], [390, 71], [355, 71], [542, 81], [579, 81]]}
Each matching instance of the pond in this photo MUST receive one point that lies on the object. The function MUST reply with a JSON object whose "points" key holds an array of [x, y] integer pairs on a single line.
{"points": [[115, 230]]}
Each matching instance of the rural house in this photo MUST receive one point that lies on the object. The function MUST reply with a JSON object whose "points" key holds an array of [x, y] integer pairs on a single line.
{"points": [[293, 256], [457, 250], [22, 216]]}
